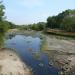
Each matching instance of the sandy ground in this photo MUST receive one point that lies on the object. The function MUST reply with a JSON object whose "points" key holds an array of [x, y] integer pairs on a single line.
{"points": [[61, 53], [10, 64], [60, 44]]}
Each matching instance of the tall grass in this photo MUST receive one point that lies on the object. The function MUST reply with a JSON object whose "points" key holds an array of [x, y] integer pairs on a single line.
{"points": [[1, 40]]}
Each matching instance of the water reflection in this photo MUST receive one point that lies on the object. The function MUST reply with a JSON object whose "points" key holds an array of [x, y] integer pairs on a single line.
{"points": [[29, 50], [10, 36]]}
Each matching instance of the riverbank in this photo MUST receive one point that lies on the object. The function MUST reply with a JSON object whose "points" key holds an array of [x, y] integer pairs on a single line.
{"points": [[60, 50], [61, 53], [11, 64], [60, 33], [33, 33]]}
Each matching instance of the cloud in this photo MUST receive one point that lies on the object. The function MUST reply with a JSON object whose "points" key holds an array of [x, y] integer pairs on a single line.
{"points": [[31, 3]]}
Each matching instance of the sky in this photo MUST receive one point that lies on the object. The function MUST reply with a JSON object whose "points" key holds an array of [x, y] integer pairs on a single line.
{"points": [[33, 11]]}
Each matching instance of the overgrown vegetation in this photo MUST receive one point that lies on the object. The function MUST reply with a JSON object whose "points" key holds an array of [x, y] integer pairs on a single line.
{"points": [[63, 21], [36, 26], [4, 25]]}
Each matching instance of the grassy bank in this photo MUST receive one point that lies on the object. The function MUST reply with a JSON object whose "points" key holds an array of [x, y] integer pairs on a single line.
{"points": [[60, 33]]}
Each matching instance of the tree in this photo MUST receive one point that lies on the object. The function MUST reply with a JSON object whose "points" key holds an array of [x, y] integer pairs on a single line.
{"points": [[68, 24], [3, 24], [2, 8], [41, 25], [51, 22], [64, 20]]}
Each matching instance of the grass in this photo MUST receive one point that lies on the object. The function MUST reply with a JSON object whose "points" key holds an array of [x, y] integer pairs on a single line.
{"points": [[1, 40], [37, 56], [44, 43]]}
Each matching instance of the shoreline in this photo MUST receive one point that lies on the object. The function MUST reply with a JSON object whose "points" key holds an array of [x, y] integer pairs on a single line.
{"points": [[60, 33], [56, 49], [59, 55], [9, 58]]}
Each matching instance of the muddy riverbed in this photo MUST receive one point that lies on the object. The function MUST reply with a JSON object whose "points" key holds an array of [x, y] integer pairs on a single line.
{"points": [[29, 49], [57, 56], [61, 53]]}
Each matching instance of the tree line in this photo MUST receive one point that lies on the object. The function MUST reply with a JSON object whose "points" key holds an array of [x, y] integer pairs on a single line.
{"points": [[63, 21], [4, 24], [35, 26]]}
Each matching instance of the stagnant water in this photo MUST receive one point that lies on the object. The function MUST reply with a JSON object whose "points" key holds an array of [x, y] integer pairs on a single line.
{"points": [[29, 50]]}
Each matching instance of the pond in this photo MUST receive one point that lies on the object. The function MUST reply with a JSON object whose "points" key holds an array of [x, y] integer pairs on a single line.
{"points": [[28, 48]]}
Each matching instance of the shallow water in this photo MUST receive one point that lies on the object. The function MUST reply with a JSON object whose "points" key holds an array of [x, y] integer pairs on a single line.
{"points": [[28, 49]]}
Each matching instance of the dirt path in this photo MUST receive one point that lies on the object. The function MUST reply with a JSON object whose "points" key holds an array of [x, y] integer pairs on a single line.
{"points": [[10, 64]]}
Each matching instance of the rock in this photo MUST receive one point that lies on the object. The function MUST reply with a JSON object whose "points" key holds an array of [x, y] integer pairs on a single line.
{"points": [[41, 64]]}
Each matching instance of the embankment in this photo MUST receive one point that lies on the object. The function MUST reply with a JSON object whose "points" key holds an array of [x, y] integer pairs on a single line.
{"points": [[61, 53]]}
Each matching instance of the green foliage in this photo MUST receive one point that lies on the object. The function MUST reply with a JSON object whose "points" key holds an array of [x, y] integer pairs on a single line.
{"points": [[2, 8], [39, 26], [68, 24], [12, 25], [3, 24], [51, 22], [23, 27], [1, 40], [64, 20]]}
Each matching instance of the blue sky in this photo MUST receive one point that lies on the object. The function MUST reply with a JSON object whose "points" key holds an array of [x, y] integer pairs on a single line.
{"points": [[33, 11]]}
